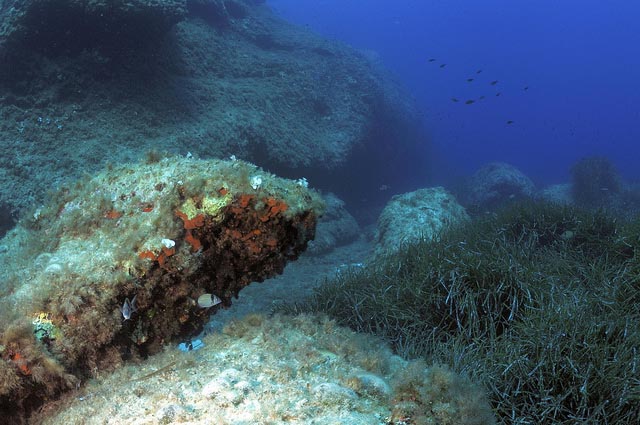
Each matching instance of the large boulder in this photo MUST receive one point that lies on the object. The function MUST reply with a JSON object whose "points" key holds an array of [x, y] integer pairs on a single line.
{"points": [[229, 78], [414, 215], [132, 258]]}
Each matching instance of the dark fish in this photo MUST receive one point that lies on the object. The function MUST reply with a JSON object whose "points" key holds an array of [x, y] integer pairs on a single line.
{"points": [[432, 60], [481, 98], [526, 88], [509, 122], [494, 82], [469, 102], [453, 99], [498, 94], [443, 65], [469, 80], [478, 71]]}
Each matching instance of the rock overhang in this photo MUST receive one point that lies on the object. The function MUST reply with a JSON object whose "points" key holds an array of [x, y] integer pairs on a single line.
{"points": [[148, 239]]}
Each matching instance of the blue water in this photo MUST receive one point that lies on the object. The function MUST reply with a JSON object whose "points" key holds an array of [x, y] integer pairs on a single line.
{"points": [[580, 60]]}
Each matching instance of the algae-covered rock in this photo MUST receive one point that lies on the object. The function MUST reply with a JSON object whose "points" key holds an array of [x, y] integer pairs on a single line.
{"points": [[111, 269], [279, 370], [414, 215]]}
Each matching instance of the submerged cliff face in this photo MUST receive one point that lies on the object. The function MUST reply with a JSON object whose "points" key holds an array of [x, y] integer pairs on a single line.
{"points": [[119, 264], [55, 25], [82, 86]]}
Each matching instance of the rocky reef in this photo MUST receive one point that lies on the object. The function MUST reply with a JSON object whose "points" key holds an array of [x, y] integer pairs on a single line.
{"points": [[116, 266]]}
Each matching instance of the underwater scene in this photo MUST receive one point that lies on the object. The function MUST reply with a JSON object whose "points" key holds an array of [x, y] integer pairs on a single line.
{"points": [[324, 212]]}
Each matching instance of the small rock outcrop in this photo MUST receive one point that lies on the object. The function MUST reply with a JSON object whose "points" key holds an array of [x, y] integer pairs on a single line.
{"points": [[112, 268], [496, 183], [414, 215], [558, 193], [336, 227]]}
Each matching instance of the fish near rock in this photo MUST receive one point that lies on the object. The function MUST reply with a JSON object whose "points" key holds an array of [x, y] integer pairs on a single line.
{"points": [[128, 308], [208, 300]]}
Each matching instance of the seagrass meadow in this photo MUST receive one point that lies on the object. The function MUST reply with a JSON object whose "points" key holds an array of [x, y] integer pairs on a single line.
{"points": [[538, 302]]}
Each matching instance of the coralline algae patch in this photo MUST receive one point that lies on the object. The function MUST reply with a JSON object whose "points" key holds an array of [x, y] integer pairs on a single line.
{"points": [[116, 263], [278, 370]]}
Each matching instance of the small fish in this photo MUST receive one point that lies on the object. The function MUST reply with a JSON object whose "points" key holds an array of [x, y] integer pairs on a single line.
{"points": [[469, 102], [494, 82], [443, 65], [432, 60], [481, 98], [208, 300], [469, 80], [128, 308], [479, 71], [525, 88], [498, 94], [453, 99], [509, 122], [384, 187]]}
